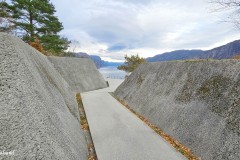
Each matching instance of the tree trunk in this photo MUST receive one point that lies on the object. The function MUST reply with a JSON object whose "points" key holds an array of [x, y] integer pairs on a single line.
{"points": [[31, 24]]}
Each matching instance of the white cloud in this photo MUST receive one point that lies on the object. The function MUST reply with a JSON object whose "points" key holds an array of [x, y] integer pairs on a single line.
{"points": [[113, 28]]}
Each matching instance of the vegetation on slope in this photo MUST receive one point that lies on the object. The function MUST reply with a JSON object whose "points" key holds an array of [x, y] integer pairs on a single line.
{"points": [[84, 125], [131, 63], [35, 23], [237, 57]]}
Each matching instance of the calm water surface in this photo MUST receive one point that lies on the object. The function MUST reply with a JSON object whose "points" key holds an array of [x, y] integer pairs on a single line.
{"points": [[112, 72]]}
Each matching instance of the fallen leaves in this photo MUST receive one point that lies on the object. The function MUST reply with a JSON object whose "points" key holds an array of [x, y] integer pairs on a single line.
{"points": [[85, 127]]}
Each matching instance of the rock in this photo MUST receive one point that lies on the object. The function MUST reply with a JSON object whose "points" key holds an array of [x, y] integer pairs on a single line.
{"points": [[196, 102], [39, 116], [80, 73]]}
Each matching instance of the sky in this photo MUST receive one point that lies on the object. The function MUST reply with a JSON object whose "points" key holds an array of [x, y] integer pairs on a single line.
{"points": [[113, 28]]}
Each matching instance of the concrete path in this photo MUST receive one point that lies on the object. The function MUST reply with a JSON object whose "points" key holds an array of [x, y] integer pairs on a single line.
{"points": [[118, 134]]}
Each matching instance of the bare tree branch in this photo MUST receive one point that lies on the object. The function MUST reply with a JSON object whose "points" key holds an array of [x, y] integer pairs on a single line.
{"points": [[233, 6]]}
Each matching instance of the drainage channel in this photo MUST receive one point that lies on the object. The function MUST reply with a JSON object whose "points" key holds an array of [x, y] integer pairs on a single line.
{"points": [[85, 127]]}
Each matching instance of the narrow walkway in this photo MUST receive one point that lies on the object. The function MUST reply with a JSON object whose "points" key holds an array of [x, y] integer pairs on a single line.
{"points": [[118, 134]]}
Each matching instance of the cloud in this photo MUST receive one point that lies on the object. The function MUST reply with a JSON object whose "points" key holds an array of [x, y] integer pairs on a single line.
{"points": [[113, 28], [117, 47]]}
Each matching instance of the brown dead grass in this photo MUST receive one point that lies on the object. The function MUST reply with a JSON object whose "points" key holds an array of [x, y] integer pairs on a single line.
{"points": [[91, 156], [237, 57], [38, 46], [84, 123], [85, 128], [83, 119]]}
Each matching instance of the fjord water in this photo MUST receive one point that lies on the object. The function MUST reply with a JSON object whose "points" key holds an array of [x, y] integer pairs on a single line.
{"points": [[112, 72]]}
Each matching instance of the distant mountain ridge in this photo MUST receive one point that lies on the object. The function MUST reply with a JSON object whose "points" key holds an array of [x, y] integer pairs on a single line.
{"points": [[223, 52], [176, 55], [97, 60]]}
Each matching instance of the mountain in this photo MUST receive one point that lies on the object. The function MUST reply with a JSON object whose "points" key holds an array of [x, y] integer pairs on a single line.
{"points": [[114, 64], [101, 63], [176, 55], [81, 55], [97, 60], [223, 52]]}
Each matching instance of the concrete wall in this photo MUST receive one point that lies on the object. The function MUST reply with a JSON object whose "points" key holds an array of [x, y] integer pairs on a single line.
{"points": [[39, 117], [197, 103], [80, 73]]}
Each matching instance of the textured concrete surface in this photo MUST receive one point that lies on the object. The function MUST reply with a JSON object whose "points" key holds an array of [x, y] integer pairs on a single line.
{"points": [[39, 117], [80, 73], [113, 84], [118, 134], [197, 103]]}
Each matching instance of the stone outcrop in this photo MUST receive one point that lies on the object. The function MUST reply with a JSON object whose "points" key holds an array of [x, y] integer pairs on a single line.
{"points": [[196, 102], [80, 73], [39, 116]]}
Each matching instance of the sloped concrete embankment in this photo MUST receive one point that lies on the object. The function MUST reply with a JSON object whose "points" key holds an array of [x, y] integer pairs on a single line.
{"points": [[39, 116], [197, 103], [80, 73]]}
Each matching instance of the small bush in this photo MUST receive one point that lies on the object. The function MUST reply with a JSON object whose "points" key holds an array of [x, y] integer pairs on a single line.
{"points": [[237, 57], [37, 45]]}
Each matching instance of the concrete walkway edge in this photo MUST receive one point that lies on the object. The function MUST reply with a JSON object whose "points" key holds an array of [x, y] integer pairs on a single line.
{"points": [[118, 134]]}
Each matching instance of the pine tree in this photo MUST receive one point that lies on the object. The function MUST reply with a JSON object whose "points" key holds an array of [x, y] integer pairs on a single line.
{"points": [[37, 20], [55, 44], [6, 24], [131, 63]]}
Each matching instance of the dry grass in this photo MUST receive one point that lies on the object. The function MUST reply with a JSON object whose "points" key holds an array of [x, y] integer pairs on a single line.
{"points": [[237, 57], [181, 148], [78, 98], [38, 46], [84, 123], [83, 119], [91, 150], [85, 128]]}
